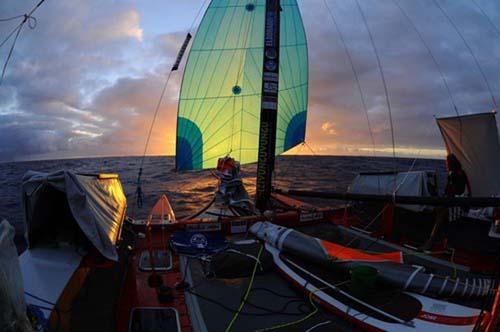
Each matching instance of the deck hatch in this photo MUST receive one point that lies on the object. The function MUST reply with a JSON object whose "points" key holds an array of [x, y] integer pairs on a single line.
{"points": [[154, 320], [162, 258]]}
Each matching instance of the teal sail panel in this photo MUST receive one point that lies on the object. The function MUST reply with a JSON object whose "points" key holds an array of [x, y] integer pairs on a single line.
{"points": [[219, 105]]}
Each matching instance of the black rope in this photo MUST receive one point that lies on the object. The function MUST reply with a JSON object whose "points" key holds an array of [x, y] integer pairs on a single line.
{"points": [[139, 194], [263, 289], [4, 69], [10, 18], [356, 76], [443, 78], [39, 298], [10, 35], [470, 51], [384, 83], [267, 311], [32, 22], [197, 15], [487, 17]]}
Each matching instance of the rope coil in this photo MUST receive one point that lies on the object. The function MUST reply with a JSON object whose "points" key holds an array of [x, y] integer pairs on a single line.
{"points": [[27, 18]]}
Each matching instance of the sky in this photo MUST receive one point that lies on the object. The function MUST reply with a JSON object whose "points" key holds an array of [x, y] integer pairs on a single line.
{"points": [[85, 81]]}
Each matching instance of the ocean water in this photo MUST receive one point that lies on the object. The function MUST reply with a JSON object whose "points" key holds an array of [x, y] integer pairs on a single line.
{"points": [[190, 191]]}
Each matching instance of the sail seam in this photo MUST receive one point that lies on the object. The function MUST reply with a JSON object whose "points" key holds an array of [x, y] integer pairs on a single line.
{"points": [[222, 22], [195, 66], [242, 48]]}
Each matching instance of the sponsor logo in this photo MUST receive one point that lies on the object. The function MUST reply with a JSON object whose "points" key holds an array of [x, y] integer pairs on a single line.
{"points": [[263, 155], [270, 29], [204, 227], [271, 65], [271, 77], [199, 241], [269, 105], [311, 216], [238, 227], [271, 53], [437, 307], [270, 87]]}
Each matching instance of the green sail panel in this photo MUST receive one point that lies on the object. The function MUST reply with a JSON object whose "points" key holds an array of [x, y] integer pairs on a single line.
{"points": [[219, 105]]}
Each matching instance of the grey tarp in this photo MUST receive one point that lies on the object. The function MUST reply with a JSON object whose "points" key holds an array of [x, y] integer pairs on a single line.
{"points": [[415, 183], [97, 203], [13, 308], [474, 140]]}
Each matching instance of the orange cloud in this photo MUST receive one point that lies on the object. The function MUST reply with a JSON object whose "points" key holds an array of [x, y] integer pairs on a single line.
{"points": [[124, 25], [328, 128]]}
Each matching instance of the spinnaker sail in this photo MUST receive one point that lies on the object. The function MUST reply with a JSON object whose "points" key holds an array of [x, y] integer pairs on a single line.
{"points": [[220, 100]]}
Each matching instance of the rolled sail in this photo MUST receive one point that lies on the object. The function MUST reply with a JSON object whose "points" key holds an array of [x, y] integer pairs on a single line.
{"points": [[390, 266], [220, 100]]}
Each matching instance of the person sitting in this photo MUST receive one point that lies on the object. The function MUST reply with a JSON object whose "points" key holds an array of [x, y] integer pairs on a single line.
{"points": [[456, 185]]}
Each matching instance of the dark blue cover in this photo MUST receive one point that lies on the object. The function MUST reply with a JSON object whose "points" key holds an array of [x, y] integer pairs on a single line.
{"points": [[198, 243]]}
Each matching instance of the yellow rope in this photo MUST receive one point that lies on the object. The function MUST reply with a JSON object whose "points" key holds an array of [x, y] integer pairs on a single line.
{"points": [[303, 319], [229, 327]]}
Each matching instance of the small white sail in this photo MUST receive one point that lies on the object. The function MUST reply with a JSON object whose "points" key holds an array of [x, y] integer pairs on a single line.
{"points": [[474, 140]]}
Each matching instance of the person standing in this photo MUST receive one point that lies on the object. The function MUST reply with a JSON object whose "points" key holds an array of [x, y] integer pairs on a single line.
{"points": [[456, 185]]}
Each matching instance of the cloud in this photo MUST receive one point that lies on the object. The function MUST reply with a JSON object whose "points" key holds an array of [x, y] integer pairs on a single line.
{"points": [[327, 127], [416, 90], [85, 82], [124, 25], [87, 79]]}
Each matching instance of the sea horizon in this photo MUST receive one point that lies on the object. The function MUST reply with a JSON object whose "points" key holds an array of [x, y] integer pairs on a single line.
{"points": [[188, 191], [173, 156]]}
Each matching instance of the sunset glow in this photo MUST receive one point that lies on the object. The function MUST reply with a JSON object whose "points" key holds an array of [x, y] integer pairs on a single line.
{"points": [[86, 80]]}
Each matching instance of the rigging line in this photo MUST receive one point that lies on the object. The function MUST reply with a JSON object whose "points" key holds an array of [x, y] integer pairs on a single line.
{"points": [[495, 28], [10, 34], [383, 81], [290, 165], [247, 292], [298, 32], [26, 18], [443, 78], [470, 51], [209, 83], [285, 54], [198, 58], [310, 148], [356, 77], [138, 195], [162, 93], [394, 192], [244, 51], [197, 15], [35, 8], [10, 18], [219, 26], [4, 69], [158, 105], [445, 83]]}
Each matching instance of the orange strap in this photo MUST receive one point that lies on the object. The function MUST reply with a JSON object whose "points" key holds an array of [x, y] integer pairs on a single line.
{"points": [[345, 253]]}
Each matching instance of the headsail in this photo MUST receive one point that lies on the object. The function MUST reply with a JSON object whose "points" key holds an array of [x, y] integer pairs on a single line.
{"points": [[474, 140], [219, 106]]}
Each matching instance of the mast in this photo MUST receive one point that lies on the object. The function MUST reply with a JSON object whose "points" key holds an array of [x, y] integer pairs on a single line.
{"points": [[269, 105]]}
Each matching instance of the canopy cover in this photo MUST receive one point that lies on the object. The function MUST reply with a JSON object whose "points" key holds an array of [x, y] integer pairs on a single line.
{"points": [[415, 183], [220, 100], [474, 140], [97, 203]]}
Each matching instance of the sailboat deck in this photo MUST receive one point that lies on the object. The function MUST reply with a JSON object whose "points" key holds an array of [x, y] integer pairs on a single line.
{"points": [[272, 302]]}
